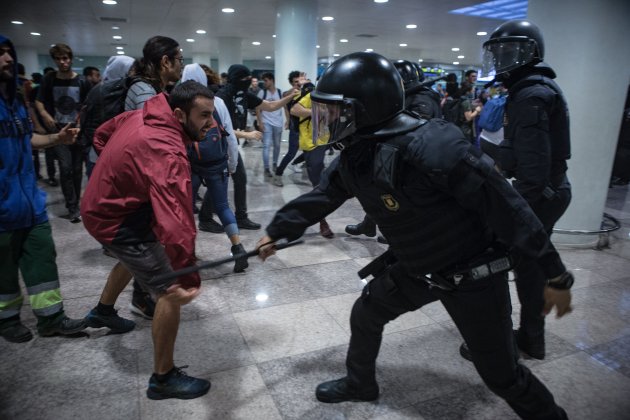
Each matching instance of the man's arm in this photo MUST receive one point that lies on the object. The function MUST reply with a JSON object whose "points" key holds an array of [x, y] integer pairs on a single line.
{"points": [[275, 105], [300, 111], [67, 135]]}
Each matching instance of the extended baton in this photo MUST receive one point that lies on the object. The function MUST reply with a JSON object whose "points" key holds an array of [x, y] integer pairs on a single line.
{"points": [[215, 263]]}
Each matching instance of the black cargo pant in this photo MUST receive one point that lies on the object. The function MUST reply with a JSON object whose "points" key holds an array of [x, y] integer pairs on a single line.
{"points": [[530, 279], [70, 173], [481, 310]]}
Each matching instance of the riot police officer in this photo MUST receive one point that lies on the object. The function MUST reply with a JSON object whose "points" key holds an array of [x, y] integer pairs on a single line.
{"points": [[419, 99], [534, 153], [447, 214]]}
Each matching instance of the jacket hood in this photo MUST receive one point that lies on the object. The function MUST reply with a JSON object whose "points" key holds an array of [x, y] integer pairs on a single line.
{"points": [[196, 73], [117, 67], [12, 85], [544, 69], [158, 113]]}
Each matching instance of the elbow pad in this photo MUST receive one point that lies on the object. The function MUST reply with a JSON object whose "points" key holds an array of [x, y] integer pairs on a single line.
{"points": [[469, 174]]}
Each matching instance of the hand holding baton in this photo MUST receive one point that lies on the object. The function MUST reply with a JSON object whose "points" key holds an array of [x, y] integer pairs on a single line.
{"points": [[215, 263]]}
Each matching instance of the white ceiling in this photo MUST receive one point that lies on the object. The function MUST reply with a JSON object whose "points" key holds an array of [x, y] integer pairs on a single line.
{"points": [[78, 23]]}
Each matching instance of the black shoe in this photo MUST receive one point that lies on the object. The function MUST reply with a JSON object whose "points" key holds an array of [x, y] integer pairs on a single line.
{"points": [[247, 224], [465, 352], [361, 229], [64, 326], [211, 226], [115, 323], [15, 332], [341, 390], [74, 216], [268, 173], [52, 182], [240, 264], [142, 305], [533, 347], [381, 240], [177, 385]]}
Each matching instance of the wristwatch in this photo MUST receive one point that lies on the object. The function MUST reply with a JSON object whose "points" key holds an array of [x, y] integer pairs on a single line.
{"points": [[562, 282]]}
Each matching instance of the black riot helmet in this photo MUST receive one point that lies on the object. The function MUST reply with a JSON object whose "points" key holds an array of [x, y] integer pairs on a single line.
{"points": [[514, 44], [420, 72], [408, 73], [359, 93]]}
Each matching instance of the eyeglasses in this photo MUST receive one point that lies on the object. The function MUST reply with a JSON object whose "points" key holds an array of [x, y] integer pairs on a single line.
{"points": [[180, 59]]}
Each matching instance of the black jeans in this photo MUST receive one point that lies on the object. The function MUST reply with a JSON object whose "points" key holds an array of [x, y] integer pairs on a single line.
{"points": [[70, 173], [50, 156], [530, 279], [314, 160], [239, 177], [481, 310], [294, 140]]}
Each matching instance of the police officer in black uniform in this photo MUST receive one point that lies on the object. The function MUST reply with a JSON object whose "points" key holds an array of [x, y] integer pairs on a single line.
{"points": [[534, 153], [447, 214], [419, 99]]}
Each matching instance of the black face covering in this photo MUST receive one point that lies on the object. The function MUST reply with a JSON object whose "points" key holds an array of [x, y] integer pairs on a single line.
{"points": [[242, 84]]}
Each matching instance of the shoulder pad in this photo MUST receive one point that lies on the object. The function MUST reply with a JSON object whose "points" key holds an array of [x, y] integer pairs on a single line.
{"points": [[437, 146]]}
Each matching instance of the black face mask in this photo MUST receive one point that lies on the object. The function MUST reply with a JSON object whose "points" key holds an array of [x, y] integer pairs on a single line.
{"points": [[242, 84]]}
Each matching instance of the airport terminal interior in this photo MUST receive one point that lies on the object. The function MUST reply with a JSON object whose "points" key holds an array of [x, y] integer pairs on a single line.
{"points": [[265, 338]]}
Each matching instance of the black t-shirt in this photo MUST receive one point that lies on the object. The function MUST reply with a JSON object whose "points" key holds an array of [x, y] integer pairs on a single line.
{"points": [[62, 98], [237, 104]]}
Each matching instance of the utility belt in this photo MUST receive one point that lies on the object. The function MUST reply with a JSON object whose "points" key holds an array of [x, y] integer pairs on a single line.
{"points": [[490, 262]]}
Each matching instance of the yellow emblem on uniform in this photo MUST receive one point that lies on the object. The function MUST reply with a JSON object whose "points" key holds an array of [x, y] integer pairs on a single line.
{"points": [[390, 202]]}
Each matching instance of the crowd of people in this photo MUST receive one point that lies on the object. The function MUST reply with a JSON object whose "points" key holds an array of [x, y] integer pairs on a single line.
{"points": [[153, 130]]}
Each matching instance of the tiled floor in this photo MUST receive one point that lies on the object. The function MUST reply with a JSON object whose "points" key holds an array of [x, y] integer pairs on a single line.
{"points": [[265, 357]]}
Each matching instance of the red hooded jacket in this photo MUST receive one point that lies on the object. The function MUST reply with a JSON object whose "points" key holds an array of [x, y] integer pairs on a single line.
{"points": [[140, 189]]}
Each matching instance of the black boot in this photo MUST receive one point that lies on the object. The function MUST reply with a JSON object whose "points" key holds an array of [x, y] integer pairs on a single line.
{"points": [[14, 331], [240, 264], [341, 390], [534, 347], [363, 228]]}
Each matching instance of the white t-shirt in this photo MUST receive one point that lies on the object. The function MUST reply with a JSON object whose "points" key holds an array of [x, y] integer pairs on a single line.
{"points": [[273, 118]]}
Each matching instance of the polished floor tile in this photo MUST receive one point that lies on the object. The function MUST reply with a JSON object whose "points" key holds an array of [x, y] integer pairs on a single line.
{"points": [[266, 337]]}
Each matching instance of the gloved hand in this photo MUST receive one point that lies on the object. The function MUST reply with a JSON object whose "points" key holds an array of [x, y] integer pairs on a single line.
{"points": [[561, 299]]}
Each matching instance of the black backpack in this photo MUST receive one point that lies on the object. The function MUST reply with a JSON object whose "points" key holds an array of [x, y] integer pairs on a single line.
{"points": [[211, 152], [105, 101], [452, 111], [265, 93]]}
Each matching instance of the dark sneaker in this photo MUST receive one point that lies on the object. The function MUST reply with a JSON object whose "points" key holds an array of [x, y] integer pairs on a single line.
{"points": [[15, 332], [268, 173], [381, 240], [177, 385], [247, 224], [361, 229], [74, 216], [142, 305], [64, 326], [341, 390], [240, 264], [211, 226], [52, 182], [115, 323]]}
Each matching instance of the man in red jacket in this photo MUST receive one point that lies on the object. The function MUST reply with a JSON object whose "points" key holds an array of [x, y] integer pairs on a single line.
{"points": [[138, 204]]}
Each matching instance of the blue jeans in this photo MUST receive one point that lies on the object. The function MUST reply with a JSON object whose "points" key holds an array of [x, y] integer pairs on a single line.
{"points": [[215, 199], [294, 143], [271, 135]]}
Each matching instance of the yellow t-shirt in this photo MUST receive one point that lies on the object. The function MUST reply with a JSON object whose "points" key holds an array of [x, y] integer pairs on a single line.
{"points": [[306, 129]]}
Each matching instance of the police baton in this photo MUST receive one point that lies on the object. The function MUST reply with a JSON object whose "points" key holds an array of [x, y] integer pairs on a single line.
{"points": [[215, 263]]}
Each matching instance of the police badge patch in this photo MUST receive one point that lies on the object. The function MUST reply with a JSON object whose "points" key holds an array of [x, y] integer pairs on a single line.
{"points": [[390, 202]]}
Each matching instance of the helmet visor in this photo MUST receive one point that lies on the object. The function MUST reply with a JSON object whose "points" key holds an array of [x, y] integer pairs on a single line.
{"points": [[332, 122], [502, 55]]}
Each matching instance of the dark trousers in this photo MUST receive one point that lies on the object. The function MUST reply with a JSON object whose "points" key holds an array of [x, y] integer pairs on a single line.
{"points": [[239, 177], [294, 141], [481, 310], [50, 156], [314, 160], [71, 173], [530, 279]]}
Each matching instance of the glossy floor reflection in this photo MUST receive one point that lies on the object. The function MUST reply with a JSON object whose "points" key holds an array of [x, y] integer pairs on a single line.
{"points": [[267, 337]]}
